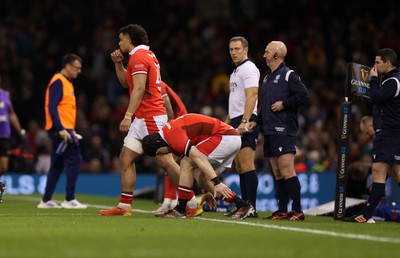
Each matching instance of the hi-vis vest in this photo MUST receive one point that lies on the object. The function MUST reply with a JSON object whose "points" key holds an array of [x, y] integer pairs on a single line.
{"points": [[66, 107]]}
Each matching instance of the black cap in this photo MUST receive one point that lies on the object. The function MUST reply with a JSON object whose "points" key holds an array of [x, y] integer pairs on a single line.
{"points": [[151, 143]]}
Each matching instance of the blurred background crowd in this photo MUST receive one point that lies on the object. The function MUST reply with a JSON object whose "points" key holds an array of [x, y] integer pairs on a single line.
{"points": [[190, 39]]}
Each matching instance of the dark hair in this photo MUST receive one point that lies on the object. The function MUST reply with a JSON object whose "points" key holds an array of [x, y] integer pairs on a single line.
{"points": [[244, 41], [151, 143], [388, 54], [136, 33], [69, 59]]}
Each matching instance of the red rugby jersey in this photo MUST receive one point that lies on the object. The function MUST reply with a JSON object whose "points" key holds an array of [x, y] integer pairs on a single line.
{"points": [[178, 107], [144, 61], [192, 129]]}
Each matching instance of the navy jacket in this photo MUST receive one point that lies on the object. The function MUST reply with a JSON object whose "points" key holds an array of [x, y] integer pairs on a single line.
{"points": [[281, 85], [387, 97]]}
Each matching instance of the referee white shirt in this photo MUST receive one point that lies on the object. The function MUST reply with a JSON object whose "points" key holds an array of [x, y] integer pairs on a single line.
{"points": [[245, 75]]}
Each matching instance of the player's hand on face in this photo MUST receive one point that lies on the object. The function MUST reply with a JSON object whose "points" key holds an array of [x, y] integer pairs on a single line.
{"points": [[223, 190], [117, 56]]}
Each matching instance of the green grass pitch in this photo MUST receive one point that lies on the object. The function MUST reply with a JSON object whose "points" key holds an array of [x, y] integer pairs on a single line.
{"points": [[28, 232]]}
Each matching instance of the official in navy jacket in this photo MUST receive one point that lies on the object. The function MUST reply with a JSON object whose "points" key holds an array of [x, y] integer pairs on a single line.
{"points": [[282, 93], [385, 96]]}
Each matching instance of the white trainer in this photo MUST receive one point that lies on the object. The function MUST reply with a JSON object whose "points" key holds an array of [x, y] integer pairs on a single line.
{"points": [[73, 204], [48, 205], [162, 209]]}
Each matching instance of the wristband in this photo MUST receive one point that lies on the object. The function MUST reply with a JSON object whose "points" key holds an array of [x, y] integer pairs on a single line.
{"points": [[216, 181]]}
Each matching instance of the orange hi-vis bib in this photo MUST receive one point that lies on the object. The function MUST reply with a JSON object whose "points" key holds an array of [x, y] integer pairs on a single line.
{"points": [[67, 106]]}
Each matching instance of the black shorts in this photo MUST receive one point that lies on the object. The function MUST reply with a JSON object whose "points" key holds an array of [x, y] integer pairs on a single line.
{"points": [[277, 145], [248, 139], [386, 149], [4, 146]]}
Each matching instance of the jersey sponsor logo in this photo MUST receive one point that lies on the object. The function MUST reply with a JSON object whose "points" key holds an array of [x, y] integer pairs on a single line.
{"points": [[139, 65], [396, 157], [280, 149], [232, 86], [279, 129], [277, 78]]}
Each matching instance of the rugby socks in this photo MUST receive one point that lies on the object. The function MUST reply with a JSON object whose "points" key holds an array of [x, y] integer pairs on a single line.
{"points": [[125, 200], [185, 194], [251, 187], [170, 189], [282, 194], [243, 188], [294, 188], [239, 203], [377, 192]]}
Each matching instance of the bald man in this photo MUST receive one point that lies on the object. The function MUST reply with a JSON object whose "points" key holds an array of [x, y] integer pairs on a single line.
{"points": [[282, 93]]}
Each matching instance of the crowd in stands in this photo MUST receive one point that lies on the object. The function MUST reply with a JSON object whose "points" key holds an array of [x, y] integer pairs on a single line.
{"points": [[190, 39]]}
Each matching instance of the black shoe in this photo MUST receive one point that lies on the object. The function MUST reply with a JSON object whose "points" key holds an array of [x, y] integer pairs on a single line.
{"points": [[359, 218], [244, 212], [172, 214], [278, 215], [230, 214], [294, 216], [253, 215], [2, 188]]}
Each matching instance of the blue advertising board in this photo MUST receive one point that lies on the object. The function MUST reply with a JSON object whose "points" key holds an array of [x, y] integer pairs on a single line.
{"points": [[316, 188]]}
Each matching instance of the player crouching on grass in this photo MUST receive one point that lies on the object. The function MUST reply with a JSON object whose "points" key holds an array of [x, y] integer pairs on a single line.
{"points": [[208, 147]]}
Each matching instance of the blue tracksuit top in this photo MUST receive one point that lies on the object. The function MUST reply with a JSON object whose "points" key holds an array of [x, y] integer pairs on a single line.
{"points": [[281, 85], [387, 98]]}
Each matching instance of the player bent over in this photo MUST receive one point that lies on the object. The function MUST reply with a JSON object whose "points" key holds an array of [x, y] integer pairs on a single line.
{"points": [[208, 146]]}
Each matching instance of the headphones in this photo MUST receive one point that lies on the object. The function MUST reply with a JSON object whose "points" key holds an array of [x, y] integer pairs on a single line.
{"points": [[276, 56]]}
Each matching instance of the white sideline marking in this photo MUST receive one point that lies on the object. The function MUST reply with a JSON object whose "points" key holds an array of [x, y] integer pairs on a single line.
{"points": [[310, 231], [33, 199], [303, 230]]}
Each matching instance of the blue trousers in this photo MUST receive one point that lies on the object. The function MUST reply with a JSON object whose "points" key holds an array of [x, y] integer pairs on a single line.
{"points": [[69, 161]]}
